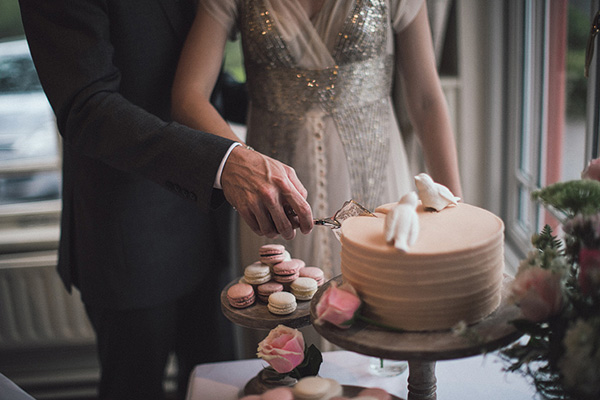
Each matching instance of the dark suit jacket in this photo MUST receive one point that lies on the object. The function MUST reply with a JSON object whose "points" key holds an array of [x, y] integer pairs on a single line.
{"points": [[134, 183]]}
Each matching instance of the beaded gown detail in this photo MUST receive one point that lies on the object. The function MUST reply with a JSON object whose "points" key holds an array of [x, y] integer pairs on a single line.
{"points": [[320, 92]]}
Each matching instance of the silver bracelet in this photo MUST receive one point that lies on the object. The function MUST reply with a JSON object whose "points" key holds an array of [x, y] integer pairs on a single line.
{"points": [[244, 145]]}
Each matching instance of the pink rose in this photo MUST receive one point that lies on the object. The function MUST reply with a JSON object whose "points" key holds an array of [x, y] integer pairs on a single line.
{"points": [[589, 273], [283, 349], [592, 171], [538, 293], [337, 306]]}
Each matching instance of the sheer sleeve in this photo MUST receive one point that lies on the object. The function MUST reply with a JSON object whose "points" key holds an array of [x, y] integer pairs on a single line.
{"points": [[223, 11], [403, 12]]}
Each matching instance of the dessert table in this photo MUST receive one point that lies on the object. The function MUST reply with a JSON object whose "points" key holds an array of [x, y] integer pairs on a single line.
{"points": [[473, 378]]}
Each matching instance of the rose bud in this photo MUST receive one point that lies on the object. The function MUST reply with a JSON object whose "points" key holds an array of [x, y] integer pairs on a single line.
{"points": [[338, 306], [283, 349], [538, 293]]}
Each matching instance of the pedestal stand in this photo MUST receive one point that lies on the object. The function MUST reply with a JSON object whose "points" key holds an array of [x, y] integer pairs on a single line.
{"points": [[423, 349], [257, 316]]}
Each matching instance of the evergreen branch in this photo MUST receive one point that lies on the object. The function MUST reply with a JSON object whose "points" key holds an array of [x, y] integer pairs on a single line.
{"points": [[571, 197]]}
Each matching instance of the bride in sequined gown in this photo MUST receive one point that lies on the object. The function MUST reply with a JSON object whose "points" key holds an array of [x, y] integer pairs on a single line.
{"points": [[320, 84], [319, 76]]}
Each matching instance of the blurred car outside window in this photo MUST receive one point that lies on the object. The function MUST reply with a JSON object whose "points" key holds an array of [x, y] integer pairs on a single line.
{"points": [[30, 177]]}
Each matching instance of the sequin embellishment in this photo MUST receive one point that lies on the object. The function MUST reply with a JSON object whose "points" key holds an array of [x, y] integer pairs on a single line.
{"points": [[355, 92]]}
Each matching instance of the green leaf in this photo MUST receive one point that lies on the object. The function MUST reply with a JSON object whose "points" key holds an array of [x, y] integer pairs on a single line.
{"points": [[571, 197], [311, 364]]}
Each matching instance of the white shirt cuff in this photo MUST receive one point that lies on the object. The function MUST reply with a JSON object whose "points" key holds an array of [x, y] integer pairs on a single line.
{"points": [[217, 184]]}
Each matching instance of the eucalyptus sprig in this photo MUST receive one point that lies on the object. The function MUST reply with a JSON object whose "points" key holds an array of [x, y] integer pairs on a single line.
{"points": [[571, 197]]}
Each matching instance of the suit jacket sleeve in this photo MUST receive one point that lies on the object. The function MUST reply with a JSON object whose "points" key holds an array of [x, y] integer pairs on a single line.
{"points": [[82, 50]]}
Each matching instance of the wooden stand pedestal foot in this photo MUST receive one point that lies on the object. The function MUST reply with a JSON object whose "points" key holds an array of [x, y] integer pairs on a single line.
{"points": [[421, 380]]}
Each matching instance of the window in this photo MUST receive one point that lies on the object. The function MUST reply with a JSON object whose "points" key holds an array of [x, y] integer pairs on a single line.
{"points": [[30, 179], [546, 110]]}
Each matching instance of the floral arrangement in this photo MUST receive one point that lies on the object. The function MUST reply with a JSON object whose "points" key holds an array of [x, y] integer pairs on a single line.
{"points": [[557, 288], [285, 352]]}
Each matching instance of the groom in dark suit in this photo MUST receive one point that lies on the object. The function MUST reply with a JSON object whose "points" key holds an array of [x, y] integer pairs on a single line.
{"points": [[138, 237]]}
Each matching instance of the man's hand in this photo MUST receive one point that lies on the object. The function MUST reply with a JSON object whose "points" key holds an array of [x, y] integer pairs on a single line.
{"points": [[266, 193]]}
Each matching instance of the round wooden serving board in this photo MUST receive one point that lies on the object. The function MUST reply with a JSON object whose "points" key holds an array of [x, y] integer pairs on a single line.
{"points": [[257, 316], [493, 332]]}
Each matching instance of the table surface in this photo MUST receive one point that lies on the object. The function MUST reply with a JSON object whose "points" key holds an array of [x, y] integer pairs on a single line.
{"points": [[472, 378]]}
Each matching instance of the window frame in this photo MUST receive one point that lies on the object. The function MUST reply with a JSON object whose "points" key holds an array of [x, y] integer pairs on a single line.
{"points": [[526, 114]]}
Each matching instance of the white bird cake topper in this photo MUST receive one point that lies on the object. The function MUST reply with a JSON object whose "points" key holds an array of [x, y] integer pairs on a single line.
{"points": [[402, 223], [432, 194]]}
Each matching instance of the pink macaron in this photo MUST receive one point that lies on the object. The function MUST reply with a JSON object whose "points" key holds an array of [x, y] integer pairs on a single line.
{"points": [[280, 393], [272, 253], [267, 289], [287, 271], [375, 393], [241, 295], [313, 272]]}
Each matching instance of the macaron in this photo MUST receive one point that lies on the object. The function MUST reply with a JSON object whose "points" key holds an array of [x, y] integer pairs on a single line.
{"points": [[280, 393], [271, 254], [282, 303], [375, 393], [266, 289], [257, 273], [241, 295], [313, 272], [304, 288], [316, 388], [287, 271]]}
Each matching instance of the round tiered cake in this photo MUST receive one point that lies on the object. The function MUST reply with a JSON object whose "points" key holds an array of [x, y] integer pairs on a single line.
{"points": [[452, 273]]}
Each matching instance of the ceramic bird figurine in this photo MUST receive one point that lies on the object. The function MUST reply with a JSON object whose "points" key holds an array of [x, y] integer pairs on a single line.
{"points": [[432, 194], [402, 222]]}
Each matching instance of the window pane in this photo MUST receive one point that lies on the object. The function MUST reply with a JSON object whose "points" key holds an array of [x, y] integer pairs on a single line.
{"points": [[29, 154], [578, 26]]}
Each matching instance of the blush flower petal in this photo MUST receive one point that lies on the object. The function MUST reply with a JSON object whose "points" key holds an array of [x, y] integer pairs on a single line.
{"points": [[283, 349], [337, 306]]}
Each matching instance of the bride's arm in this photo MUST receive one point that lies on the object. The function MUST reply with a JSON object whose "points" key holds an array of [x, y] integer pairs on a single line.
{"points": [[262, 189], [197, 73], [426, 104]]}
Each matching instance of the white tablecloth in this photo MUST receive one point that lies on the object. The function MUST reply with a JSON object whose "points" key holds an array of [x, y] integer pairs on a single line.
{"points": [[10, 391], [472, 378]]}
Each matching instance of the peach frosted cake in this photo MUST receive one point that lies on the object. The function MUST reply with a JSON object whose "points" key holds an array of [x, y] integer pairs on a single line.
{"points": [[451, 272]]}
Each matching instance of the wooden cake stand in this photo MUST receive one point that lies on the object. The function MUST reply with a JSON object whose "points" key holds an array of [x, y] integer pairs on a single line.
{"points": [[257, 316], [423, 349]]}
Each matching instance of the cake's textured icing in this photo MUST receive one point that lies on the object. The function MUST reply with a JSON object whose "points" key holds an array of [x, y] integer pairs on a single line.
{"points": [[452, 273]]}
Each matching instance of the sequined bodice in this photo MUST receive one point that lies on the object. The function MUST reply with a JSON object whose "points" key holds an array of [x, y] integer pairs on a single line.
{"points": [[355, 91], [362, 37]]}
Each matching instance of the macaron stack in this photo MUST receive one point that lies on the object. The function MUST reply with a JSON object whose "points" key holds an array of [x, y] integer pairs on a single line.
{"points": [[317, 388], [277, 272]]}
